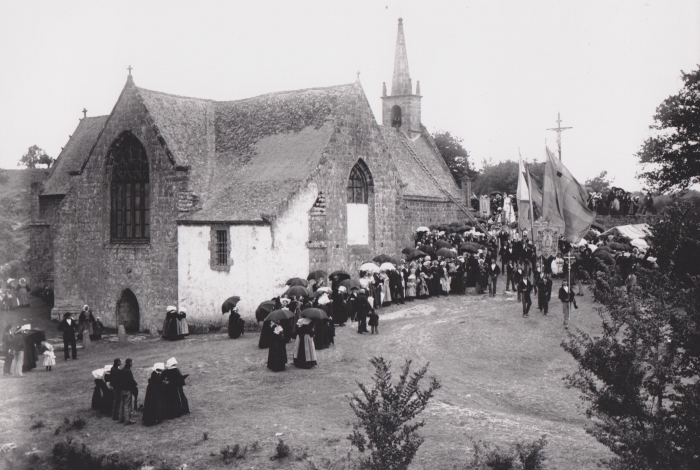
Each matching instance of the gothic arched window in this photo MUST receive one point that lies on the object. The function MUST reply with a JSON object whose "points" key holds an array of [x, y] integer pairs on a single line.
{"points": [[357, 186], [127, 166]]}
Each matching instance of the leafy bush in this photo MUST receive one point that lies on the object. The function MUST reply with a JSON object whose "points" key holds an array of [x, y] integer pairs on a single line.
{"points": [[384, 412], [282, 451], [520, 456], [234, 452]]}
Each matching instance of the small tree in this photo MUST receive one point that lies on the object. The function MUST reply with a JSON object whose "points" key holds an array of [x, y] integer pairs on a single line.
{"points": [[35, 156], [600, 183], [455, 155], [384, 413], [503, 176]]}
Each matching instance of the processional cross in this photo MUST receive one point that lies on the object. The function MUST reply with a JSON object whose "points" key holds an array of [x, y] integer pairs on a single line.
{"points": [[559, 130]]}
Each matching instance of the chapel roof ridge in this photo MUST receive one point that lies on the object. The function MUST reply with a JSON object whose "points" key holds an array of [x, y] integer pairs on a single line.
{"points": [[274, 93]]}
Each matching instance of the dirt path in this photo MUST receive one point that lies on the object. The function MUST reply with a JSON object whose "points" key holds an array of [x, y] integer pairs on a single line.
{"points": [[501, 375]]}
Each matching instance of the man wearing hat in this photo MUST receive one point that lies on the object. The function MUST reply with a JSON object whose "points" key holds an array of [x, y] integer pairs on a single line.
{"points": [[68, 327], [129, 390]]}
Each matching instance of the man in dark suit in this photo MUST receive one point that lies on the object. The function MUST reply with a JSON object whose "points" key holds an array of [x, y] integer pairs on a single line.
{"points": [[129, 389], [567, 297], [525, 287], [493, 272], [544, 293], [68, 327], [113, 379]]}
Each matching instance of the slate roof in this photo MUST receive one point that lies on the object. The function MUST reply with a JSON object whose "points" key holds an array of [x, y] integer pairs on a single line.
{"points": [[417, 182], [73, 155], [266, 148]]}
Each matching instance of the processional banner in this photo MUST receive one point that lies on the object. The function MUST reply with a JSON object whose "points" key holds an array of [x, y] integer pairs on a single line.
{"points": [[546, 238]]}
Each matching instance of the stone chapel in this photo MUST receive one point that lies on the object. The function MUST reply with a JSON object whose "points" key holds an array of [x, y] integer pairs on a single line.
{"points": [[188, 201]]}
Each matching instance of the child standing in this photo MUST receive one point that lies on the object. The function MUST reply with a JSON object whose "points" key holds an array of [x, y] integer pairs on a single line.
{"points": [[49, 355], [374, 322]]}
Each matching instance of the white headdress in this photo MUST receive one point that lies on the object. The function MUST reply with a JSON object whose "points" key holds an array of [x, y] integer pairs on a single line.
{"points": [[171, 363], [158, 366], [171, 308]]}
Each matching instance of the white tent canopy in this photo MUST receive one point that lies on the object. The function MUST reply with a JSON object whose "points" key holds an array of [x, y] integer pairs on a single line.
{"points": [[629, 231]]}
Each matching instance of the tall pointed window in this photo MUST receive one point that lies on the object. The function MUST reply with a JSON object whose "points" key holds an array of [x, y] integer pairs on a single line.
{"points": [[358, 192], [127, 166]]}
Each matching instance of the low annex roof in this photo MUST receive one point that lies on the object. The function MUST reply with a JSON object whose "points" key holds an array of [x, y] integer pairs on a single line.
{"points": [[73, 155]]}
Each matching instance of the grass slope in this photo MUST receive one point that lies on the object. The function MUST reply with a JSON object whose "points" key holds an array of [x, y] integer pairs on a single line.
{"points": [[501, 375]]}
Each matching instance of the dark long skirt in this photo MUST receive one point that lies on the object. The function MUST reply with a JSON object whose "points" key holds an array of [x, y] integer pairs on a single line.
{"points": [[277, 354], [265, 335], [170, 327], [176, 403], [235, 325], [321, 334], [339, 312], [154, 401]]}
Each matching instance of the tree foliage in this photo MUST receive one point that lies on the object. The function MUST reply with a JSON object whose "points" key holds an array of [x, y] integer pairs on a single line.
{"points": [[385, 412], [641, 378], [672, 158], [35, 156], [599, 184], [503, 177], [455, 155]]}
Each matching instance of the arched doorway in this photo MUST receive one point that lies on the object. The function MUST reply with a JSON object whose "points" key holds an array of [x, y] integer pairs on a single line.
{"points": [[396, 116], [128, 311]]}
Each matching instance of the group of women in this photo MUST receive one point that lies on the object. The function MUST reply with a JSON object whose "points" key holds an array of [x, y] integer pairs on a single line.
{"points": [[164, 399], [15, 294], [175, 324]]}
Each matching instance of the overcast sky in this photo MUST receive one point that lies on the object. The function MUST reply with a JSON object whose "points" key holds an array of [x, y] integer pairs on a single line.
{"points": [[495, 73]]}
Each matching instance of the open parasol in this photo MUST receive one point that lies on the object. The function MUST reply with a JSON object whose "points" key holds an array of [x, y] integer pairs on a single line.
{"points": [[297, 291], [387, 267], [230, 304], [370, 267], [297, 281], [316, 313], [279, 315], [445, 253], [423, 229], [339, 275], [319, 274], [264, 310]]}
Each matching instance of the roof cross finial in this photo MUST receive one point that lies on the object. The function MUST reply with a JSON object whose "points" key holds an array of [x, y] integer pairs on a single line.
{"points": [[129, 68], [358, 75], [84, 112]]}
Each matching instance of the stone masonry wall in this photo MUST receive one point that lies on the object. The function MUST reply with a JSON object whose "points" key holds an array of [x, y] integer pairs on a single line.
{"points": [[426, 211], [92, 270]]}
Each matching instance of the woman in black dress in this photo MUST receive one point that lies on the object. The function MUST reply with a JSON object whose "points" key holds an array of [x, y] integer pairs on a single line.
{"points": [[154, 402], [176, 403], [363, 308], [235, 324], [304, 350], [170, 324], [277, 355]]}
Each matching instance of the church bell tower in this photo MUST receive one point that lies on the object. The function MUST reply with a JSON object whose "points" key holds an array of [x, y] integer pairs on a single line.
{"points": [[401, 109]]}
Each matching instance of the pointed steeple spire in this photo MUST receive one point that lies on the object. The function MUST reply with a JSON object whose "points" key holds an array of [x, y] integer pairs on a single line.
{"points": [[401, 84]]}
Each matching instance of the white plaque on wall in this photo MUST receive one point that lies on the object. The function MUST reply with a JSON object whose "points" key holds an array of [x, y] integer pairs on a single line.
{"points": [[358, 224]]}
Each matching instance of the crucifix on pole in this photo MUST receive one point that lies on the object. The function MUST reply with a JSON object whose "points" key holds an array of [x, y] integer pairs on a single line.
{"points": [[559, 130]]}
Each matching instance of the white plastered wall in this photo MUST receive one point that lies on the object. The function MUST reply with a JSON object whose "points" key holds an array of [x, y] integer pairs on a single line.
{"points": [[264, 257]]}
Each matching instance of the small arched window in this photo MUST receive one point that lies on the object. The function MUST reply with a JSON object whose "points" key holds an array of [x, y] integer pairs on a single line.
{"points": [[127, 166], [357, 186], [396, 116]]}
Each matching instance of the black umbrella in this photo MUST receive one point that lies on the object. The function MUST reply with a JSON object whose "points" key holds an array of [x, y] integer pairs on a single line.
{"points": [[297, 281], [351, 284], [318, 293], [455, 224], [297, 291], [443, 227], [445, 253], [427, 249], [339, 275], [279, 315], [316, 313], [415, 255], [604, 248], [598, 227], [230, 304], [432, 227], [383, 259], [264, 309], [408, 250], [317, 275], [443, 244], [464, 228]]}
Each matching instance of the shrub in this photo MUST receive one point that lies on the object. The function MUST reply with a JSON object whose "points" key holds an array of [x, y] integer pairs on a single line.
{"points": [[384, 413], [229, 453], [282, 451], [520, 456]]}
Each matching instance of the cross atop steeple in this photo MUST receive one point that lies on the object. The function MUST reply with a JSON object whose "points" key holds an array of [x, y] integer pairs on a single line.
{"points": [[129, 68], [401, 84], [84, 112]]}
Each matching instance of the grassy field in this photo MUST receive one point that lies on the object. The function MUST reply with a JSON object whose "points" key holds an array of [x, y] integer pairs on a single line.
{"points": [[501, 376]]}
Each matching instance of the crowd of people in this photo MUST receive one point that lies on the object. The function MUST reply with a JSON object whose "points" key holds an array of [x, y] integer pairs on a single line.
{"points": [[15, 294], [116, 392], [617, 201]]}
